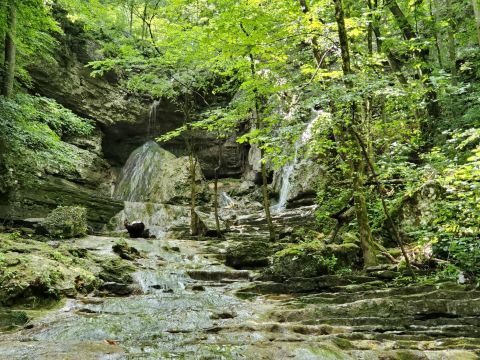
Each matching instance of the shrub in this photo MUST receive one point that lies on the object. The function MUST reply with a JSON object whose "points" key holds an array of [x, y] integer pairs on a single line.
{"points": [[33, 132], [66, 222]]}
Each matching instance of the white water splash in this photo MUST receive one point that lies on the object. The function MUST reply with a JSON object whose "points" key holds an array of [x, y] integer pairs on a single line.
{"points": [[226, 201]]}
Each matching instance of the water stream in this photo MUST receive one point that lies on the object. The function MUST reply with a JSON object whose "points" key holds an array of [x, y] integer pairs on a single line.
{"points": [[185, 307]]}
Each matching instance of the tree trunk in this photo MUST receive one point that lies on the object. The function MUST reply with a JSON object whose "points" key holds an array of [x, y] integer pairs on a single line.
{"points": [[434, 13], [407, 30], [428, 127], [266, 201], [10, 50], [193, 193], [370, 28], [131, 19], [476, 11], [215, 187], [259, 125], [380, 190], [365, 233], [315, 46], [144, 22], [452, 50], [366, 240]]}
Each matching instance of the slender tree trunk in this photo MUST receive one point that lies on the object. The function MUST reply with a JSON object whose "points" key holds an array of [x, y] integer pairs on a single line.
{"points": [[370, 28], [215, 187], [131, 19], [192, 160], [476, 11], [452, 49], [434, 13], [259, 125], [193, 192], [366, 240], [144, 22], [380, 190], [10, 50], [315, 46]]}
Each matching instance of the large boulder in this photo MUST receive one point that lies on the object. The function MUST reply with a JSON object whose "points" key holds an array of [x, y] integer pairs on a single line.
{"points": [[249, 254], [311, 259], [66, 222], [155, 175]]}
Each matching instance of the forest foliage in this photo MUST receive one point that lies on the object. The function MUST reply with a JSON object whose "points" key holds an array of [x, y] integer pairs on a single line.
{"points": [[397, 93]]}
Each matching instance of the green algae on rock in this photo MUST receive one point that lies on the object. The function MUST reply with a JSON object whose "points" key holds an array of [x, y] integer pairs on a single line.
{"points": [[313, 259], [66, 222]]}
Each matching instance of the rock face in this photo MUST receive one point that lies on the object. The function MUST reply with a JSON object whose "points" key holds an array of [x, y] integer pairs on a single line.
{"points": [[69, 82], [152, 174], [88, 185], [126, 119]]}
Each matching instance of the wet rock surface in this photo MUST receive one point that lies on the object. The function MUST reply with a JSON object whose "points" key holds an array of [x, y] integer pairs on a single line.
{"points": [[186, 304]]}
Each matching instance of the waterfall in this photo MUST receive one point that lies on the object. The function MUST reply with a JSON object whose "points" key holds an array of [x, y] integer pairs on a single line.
{"points": [[152, 118], [226, 201], [289, 168], [139, 176]]}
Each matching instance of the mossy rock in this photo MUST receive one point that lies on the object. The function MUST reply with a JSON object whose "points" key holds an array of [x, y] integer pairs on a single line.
{"points": [[313, 259], [125, 251], [117, 277], [66, 222], [35, 274], [249, 254], [116, 270], [9, 319]]}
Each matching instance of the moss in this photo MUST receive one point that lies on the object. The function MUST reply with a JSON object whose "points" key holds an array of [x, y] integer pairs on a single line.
{"points": [[395, 252], [122, 249], [249, 254], [313, 259], [66, 222], [35, 274], [11, 319], [116, 270]]}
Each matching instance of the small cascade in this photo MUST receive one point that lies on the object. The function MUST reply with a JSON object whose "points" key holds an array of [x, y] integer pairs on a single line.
{"points": [[152, 119], [288, 169], [226, 201]]}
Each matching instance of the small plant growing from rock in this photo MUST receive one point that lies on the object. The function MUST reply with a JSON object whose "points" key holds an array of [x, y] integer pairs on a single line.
{"points": [[66, 222]]}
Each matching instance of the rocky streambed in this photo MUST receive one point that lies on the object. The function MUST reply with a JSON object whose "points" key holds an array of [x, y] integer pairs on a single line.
{"points": [[184, 303]]}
